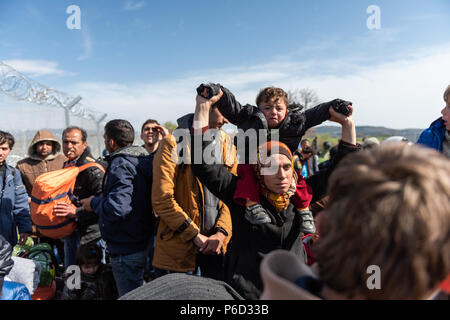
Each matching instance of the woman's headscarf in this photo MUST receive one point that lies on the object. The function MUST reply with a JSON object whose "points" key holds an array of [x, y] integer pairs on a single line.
{"points": [[265, 151]]}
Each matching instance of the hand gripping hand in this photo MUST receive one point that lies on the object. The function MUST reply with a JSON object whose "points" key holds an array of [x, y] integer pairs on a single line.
{"points": [[212, 89]]}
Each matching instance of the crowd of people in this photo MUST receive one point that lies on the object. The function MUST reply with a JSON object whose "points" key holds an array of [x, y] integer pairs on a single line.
{"points": [[265, 222]]}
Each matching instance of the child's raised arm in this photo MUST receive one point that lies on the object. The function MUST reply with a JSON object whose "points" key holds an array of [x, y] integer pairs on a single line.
{"points": [[228, 106], [321, 112]]}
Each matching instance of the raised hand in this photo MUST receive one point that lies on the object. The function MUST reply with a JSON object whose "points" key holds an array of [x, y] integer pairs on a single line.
{"points": [[208, 90], [347, 123], [162, 130], [342, 106], [339, 117]]}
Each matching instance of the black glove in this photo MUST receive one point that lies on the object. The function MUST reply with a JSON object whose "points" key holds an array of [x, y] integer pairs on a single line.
{"points": [[307, 225], [295, 107], [213, 89], [341, 106], [256, 214], [75, 200]]}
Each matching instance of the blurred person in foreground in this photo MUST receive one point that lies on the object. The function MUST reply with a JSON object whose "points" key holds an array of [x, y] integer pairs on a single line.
{"points": [[389, 209]]}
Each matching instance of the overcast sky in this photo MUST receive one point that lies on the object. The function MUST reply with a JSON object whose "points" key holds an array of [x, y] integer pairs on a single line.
{"points": [[144, 59]]}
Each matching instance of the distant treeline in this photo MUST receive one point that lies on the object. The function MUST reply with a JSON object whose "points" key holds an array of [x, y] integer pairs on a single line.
{"points": [[369, 131]]}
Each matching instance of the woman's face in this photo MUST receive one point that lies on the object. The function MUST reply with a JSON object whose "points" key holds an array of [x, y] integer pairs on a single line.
{"points": [[278, 173]]}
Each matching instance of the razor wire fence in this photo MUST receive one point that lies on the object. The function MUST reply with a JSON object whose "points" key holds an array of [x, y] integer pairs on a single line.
{"points": [[27, 106]]}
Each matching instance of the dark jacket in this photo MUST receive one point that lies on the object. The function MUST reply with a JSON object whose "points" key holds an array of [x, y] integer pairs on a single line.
{"points": [[250, 243], [14, 208], [124, 209], [291, 129], [434, 136], [99, 286], [88, 183]]}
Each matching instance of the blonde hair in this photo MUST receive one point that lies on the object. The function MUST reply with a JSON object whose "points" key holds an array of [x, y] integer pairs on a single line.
{"points": [[388, 207], [446, 93]]}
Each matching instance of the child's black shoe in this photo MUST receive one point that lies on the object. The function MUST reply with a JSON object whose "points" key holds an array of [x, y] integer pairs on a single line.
{"points": [[256, 214], [307, 225]]}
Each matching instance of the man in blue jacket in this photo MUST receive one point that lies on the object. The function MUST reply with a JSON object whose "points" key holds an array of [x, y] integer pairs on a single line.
{"points": [[14, 208], [124, 209], [437, 136]]}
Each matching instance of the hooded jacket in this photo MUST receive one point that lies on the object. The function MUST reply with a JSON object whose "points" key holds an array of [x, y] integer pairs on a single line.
{"points": [[33, 166], [434, 136], [183, 205], [14, 208], [124, 209]]}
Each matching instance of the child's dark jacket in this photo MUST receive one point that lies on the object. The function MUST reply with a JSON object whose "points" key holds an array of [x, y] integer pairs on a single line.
{"points": [[291, 129], [99, 286]]}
